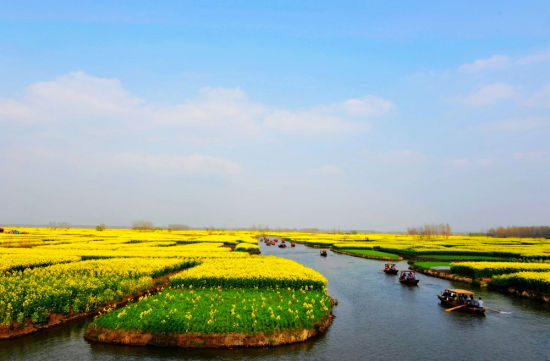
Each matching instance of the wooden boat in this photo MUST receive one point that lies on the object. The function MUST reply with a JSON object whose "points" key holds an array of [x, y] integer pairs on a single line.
{"points": [[390, 268], [324, 252], [293, 244], [450, 297], [282, 245], [406, 280]]}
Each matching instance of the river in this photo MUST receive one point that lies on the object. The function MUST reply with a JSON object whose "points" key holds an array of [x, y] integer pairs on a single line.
{"points": [[377, 318]]}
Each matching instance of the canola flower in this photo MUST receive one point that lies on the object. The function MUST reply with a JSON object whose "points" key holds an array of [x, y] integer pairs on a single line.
{"points": [[489, 269], [77, 286], [247, 247], [14, 262], [410, 245], [253, 271], [533, 281]]}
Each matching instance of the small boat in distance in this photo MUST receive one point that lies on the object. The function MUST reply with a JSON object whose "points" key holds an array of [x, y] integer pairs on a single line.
{"points": [[408, 278], [282, 245], [324, 252], [390, 268], [463, 300], [293, 244]]}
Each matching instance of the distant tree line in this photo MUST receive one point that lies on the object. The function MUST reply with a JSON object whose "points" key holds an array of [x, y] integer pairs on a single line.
{"points": [[178, 227], [431, 230], [55, 225], [515, 231], [142, 225]]}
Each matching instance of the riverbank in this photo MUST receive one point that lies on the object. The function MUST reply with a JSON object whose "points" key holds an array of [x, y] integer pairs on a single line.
{"points": [[198, 340], [484, 282], [217, 317]]}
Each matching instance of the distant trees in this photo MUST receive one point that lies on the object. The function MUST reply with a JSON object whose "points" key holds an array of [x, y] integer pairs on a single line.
{"points": [[431, 230], [142, 225], [178, 227], [100, 227], [515, 231], [55, 225]]}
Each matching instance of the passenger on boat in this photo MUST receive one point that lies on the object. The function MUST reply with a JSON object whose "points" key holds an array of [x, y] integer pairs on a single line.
{"points": [[480, 303]]}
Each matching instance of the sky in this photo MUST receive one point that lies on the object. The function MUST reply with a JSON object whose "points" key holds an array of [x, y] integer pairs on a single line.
{"points": [[336, 115]]}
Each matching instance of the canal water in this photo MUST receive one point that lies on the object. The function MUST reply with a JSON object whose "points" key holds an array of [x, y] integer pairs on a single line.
{"points": [[377, 318]]}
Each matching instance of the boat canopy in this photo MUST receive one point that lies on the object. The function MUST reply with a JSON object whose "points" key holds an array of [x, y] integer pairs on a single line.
{"points": [[459, 291]]}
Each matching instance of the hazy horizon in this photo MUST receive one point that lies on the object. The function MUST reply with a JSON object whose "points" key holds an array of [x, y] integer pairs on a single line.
{"points": [[376, 116]]}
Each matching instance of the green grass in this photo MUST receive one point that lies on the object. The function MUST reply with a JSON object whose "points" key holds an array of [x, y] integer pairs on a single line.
{"points": [[429, 264], [371, 253], [217, 310]]}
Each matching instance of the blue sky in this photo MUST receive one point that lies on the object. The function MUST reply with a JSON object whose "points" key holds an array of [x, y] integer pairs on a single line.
{"points": [[333, 115]]}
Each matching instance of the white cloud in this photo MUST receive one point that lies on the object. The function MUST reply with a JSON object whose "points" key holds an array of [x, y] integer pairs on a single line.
{"points": [[78, 96], [488, 94], [11, 109], [530, 155], [491, 63], [93, 104], [398, 155], [366, 106], [195, 164], [347, 116], [310, 121], [512, 125], [499, 61], [215, 108], [541, 97], [328, 169], [462, 162], [538, 57]]}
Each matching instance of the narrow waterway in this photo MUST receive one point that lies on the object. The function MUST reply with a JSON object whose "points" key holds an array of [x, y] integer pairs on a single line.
{"points": [[377, 318]]}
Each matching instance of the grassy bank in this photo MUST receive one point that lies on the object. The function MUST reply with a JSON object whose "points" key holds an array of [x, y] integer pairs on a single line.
{"points": [[430, 264], [217, 310], [369, 253]]}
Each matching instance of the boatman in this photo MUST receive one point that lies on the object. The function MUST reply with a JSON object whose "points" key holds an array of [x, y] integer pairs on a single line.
{"points": [[480, 303]]}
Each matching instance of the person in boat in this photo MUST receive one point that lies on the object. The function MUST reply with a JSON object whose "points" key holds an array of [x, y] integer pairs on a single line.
{"points": [[480, 303]]}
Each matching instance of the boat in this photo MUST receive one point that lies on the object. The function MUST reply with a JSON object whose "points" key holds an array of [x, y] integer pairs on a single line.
{"points": [[293, 244], [408, 278], [324, 252], [282, 245], [390, 268], [451, 298]]}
